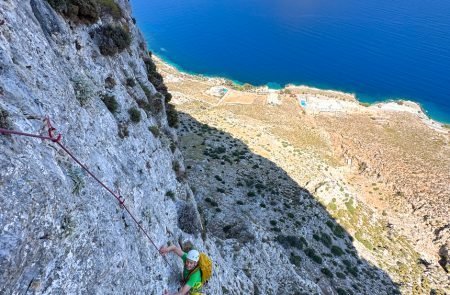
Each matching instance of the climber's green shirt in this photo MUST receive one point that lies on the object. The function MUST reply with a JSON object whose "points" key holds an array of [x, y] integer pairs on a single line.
{"points": [[195, 281]]}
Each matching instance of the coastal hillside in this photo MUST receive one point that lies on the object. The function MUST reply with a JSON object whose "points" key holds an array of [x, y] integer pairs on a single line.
{"points": [[380, 172], [107, 154]]}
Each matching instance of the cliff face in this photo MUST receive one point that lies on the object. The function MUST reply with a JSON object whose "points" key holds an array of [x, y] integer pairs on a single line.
{"points": [[60, 232], [84, 64]]}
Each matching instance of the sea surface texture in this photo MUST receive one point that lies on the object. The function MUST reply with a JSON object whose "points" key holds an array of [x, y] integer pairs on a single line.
{"points": [[378, 49]]}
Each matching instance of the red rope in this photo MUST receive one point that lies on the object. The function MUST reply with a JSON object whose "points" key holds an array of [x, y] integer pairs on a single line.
{"points": [[57, 140]]}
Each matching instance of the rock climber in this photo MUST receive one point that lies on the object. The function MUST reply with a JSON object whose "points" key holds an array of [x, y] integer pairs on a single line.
{"points": [[192, 279]]}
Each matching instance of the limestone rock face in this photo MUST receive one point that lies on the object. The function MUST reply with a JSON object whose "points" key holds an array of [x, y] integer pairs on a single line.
{"points": [[60, 231]]}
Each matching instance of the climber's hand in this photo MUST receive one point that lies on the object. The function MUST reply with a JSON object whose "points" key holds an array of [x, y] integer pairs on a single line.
{"points": [[163, 250]]}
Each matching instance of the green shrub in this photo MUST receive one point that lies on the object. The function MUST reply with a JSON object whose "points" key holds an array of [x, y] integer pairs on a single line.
{"points": [[131, 82], [340, 275], [327, 272], [290, 241], [214, 203], [251, 194], [76, 176], [326, 240], [170, 194], [112, 39], [336, 250], [239, 202], [259, 186], [303, 241], [332, 206], [144, 105], [135, 115], [84, 10], [172, 116], [147, 91], [311, 253], [154, 130], [110, 103], [87, 9], [110, 7], [347, 263], [110, 82], [149, 65], [295, 260], [167, 97], [350, 206], [330, 224], [353, 271], [154, 103], [359, 235], [4, 122], [157, 104], [156, 79], [337, 229]]}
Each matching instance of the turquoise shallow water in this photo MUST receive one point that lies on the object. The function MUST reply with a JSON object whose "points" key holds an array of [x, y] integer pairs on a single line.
{"points": [[378, 49]]}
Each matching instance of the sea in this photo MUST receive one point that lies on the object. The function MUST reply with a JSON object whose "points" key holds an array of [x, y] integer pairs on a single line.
{"points": [[378, 49]]}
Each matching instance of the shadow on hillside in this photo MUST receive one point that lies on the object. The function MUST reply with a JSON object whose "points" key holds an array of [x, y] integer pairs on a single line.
{"points": [[238, 191]]}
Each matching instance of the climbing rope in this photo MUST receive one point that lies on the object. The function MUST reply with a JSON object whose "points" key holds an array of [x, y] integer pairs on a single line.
{"points": [[57, 140]]}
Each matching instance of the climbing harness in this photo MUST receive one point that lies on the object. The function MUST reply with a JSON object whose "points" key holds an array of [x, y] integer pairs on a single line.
{"points": [[57, 140]]}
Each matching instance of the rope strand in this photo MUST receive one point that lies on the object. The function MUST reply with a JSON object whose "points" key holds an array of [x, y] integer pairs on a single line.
{"points": [[57, 140]]}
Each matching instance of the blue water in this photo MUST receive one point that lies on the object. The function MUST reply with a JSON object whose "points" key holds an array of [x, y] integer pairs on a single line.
{"points": [[378, 49]]}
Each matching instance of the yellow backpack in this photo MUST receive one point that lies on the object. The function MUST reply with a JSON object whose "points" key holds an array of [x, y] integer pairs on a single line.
{"points": [[206, 267]]}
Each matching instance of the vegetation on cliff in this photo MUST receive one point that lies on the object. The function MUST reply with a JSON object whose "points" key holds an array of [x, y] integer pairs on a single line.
{"points": [[86, 10]]}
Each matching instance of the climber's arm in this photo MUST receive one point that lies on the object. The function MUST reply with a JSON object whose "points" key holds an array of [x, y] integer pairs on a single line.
{"points": [[173, 248]]}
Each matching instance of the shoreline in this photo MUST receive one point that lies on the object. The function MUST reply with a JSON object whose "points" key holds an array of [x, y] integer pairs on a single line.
{"points": [[386, 157], [396, 105]]}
